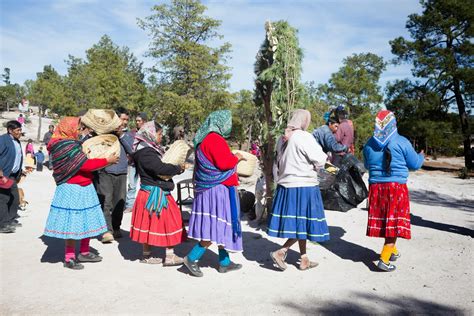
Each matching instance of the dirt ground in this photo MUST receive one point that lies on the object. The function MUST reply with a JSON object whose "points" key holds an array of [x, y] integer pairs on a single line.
{"points": [[433, 276]]}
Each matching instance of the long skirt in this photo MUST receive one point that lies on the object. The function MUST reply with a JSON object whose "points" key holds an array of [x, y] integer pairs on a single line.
{"points": [[165, 230], [298, 213], [211, 219], [75, 213], [389, 210]]}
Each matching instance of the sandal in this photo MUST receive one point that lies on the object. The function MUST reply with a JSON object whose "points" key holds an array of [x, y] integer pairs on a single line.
{"points": [[150, 260], [306, 264], [172, 260]]}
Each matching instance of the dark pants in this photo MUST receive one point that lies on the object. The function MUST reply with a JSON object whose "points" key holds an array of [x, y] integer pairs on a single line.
{"points": [[39, 166], [9, 203], [112, 190]]}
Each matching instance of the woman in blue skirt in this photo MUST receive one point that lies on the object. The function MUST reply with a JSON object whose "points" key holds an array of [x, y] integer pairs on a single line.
{"points": [[298, 212]]}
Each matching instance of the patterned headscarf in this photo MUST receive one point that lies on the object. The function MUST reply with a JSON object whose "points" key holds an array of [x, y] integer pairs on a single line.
{"points": [[385, 127], [219, 122], [300, 120], [65, 151], [146, 137]]}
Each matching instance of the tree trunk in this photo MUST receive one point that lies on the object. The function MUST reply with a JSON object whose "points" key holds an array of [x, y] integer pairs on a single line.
{"points": [[464, 124], [269, 149], [39, 125], [249, 139]]}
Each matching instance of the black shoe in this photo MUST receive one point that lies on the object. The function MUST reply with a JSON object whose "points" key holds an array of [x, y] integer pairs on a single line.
{"points": [[72, 264], [117, 234], [16, 223], [7, 229], [231, 267], [90, 257], [192, 267]]}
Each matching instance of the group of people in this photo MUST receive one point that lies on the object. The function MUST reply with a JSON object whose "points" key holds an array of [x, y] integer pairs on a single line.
{"points": [[297, 215]]}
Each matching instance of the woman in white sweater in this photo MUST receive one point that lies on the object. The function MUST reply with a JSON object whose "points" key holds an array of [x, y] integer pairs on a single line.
{"points": [[298, 212]]}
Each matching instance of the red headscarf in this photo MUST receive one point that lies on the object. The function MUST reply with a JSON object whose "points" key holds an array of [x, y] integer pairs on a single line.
{"points": [[66, 129]]}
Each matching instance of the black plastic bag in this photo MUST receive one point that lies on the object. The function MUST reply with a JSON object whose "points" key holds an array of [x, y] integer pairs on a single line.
{"points": [[348, 188]]}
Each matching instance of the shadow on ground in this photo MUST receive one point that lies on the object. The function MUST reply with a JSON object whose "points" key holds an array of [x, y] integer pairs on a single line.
{"points": [[347, 250], [419, 221], [444, 200], [54, 252], [373, 304]]}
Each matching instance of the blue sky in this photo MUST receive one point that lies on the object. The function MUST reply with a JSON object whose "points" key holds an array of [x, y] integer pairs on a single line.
{"points": [[35, 33]]}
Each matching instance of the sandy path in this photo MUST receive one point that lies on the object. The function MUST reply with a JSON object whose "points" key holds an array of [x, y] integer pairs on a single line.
{"points": [[434, 275]]}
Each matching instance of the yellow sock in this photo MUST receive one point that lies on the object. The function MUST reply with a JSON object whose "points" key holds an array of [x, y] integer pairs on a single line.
{"points": [[386, 253], [395, 250]]}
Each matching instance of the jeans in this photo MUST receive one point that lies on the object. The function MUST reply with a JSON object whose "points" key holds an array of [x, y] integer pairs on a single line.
{"points": [[111, 190], [132, 186]]}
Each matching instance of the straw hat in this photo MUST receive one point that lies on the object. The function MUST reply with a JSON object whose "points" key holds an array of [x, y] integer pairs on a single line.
{"points": [[101, 121], [177, 154], [246, 167], [101, 146]]}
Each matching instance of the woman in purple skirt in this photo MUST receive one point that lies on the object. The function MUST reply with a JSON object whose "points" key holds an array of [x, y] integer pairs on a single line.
{"points": [[215, 217]]}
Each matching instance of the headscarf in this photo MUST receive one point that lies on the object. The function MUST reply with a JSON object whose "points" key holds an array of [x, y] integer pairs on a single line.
{"points": [[65, 150], [385, 127], [219, 122], [300, 120], [146, 137]]}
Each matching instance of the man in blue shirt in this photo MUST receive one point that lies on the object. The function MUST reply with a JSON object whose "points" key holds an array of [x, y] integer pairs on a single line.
{"points": [[11, 159]]}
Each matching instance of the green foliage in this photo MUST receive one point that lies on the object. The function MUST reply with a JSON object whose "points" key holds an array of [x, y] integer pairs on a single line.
{"points": [[245, 123], [312, 100], [355, 84], [10, 94], [423, 117], [110, 77], [48, 92], [190, 77], [363, 130], [442, 53]]}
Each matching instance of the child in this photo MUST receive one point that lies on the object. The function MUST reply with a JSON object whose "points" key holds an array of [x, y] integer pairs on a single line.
{"points": [[388, 156], [39, 159]]}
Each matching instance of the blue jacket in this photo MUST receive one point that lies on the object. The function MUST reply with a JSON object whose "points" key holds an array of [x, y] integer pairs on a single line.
{"points": [[7, 154], [404, 158], [325, 137], [39, 157]]}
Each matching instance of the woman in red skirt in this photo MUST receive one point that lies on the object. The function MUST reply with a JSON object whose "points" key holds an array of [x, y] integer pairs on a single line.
{"points": [[389, 156], [156, 218]]}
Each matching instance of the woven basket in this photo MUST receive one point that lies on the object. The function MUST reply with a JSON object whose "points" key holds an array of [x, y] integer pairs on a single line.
{"points": [[102, 146], [177, 154], [246, 168]]}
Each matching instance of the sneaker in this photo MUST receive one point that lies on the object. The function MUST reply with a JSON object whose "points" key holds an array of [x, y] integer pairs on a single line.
{"points": [[107, 238], [117, 234], [394, 257], [16, 223], [72, 264], [8, 229], [231, 267], [278, 258], [192, 267], [148, 259], [90, 257], [388, 267], [172, 260]]}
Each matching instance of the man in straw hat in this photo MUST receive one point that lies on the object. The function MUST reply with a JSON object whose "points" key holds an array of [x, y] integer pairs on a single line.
{"points": [[11, 159], [111, 182]]}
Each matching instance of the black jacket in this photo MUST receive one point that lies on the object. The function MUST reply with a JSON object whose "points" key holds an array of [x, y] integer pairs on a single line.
{"points": [[149, 166]]}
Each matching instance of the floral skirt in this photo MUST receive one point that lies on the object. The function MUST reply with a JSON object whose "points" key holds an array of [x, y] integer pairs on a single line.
{"points": [[389, 210]]}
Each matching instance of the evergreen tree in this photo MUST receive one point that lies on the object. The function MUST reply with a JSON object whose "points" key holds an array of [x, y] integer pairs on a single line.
{"points": [[191, 76], [442, 52]]}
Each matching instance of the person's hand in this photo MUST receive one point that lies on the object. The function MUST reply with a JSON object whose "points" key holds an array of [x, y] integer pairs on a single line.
{"points": [[112, 159], [239, 156], [422, 152], [28, 170], [182, 166], [1, 174]]}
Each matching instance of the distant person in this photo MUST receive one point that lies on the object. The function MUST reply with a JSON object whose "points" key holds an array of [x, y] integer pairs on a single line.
{"points": [[39, 159], [344, 135], [48, 134], [389, 156], [29, 149], [178, 133], [325, 137], [21, 120], [11, 160], [298, 212], [141, 119], [255, 149]]}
